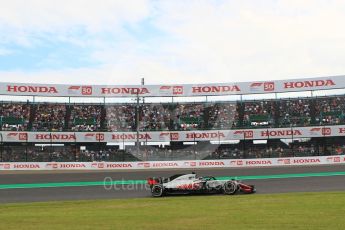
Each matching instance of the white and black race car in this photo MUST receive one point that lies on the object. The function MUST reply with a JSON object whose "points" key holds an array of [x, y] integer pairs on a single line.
{"points": [[190, 183]]}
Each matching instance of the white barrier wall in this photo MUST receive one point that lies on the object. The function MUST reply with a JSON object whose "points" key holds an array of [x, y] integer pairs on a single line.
{"points": [[229, 163], [160, 136], [177, 90]]}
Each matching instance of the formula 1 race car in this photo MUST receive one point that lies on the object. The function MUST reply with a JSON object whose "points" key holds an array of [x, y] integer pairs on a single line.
{"points": [[190, 183]]}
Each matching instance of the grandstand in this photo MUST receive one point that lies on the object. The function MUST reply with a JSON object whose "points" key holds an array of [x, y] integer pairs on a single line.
{"points": [[150, 131]]}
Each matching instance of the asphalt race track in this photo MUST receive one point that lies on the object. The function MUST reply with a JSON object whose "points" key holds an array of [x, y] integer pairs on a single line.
{"points": [[264, 186]]}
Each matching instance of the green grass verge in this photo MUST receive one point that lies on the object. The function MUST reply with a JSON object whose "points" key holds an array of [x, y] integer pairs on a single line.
{"points": [[277, 211]]}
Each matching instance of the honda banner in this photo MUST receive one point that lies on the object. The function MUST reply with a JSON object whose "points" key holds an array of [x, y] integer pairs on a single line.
{"points": [[184, 90], [166, 136], [229, 163]]}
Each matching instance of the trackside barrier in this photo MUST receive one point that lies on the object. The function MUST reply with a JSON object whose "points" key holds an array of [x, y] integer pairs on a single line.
{"points": [[229, 163], [159, 136]]}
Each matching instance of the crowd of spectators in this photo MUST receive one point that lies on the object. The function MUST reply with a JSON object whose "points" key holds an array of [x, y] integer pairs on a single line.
{"points": [[223, 116], [154, 117], [14, 116], [49, 117], [259, 113], [85, 118], [189, 116], [295, 112], [121, 117], [267, 151], [107, 154], [330, 111], [36, 154], [173, 116], [167, 153], [62, 154]]}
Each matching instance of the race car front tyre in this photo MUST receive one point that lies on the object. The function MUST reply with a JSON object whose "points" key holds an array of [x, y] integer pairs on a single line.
{"points": [[230, 188], [157, 190], [253, 188]]}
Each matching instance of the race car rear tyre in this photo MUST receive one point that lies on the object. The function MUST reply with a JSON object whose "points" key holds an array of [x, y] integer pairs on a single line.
{"points": [[230, 188], [157, 190]]}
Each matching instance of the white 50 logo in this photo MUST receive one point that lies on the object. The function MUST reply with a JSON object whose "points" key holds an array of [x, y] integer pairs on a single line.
{"points": [[269, 86], [178, 90], [174, 136]]}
